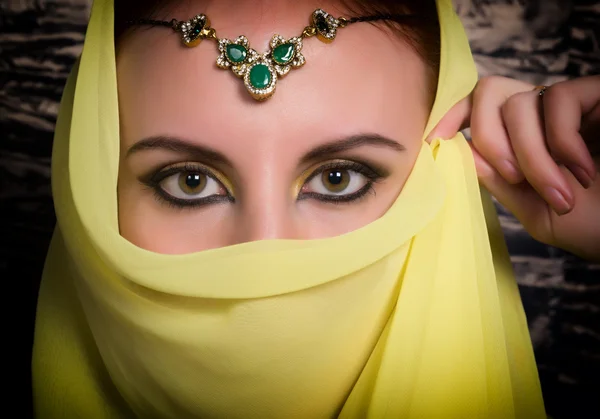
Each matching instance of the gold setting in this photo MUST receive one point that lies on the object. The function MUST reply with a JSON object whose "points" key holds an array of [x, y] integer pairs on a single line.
{"points": [[266, 92], [253, 58], [298, 59], [239, 69], [322, 25], [541, 89], [194, 30], [325, 24]]}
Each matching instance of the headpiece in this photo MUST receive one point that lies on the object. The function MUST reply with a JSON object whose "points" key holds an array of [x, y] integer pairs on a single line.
{"points": [[261, 71], [415, 315]]}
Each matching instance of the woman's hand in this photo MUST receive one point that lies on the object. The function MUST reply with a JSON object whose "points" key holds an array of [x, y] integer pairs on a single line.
{"points": [[539, 154]]}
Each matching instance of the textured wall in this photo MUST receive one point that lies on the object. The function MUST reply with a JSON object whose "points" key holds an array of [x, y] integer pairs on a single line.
{"points": [[538, 41], [544, 42]]}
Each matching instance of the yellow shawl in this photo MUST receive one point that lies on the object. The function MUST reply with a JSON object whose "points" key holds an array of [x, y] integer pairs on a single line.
{"points": [[416, 315]]}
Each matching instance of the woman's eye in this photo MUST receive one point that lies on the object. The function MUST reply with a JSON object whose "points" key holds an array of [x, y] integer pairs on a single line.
{"points": [[341, 181], [190, 185], [336, 182]]}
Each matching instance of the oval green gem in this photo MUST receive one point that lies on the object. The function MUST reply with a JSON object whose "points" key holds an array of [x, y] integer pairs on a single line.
{"points": [[236, 53], [283, 53], [260, 76]]}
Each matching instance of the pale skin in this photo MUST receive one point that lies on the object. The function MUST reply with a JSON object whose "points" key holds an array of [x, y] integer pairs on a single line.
{"points": [[171, 90], [553, 143], [268, 188]]}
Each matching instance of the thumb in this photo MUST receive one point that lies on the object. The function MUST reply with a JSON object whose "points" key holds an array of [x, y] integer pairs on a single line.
{"points": [[455, 120]]}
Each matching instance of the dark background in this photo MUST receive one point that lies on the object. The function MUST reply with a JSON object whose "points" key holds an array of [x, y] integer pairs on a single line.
{"points": [[538, 41]]}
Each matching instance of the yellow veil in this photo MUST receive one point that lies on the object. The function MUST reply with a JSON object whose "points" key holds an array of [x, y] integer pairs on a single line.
{"points": [[416, 315]]}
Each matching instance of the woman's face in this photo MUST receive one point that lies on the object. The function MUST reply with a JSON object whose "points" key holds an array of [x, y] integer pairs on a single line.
{"points": [[203, 165]]}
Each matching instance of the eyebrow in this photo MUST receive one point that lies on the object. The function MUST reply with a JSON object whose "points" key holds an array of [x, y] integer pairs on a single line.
{"points": [[350, 143], [181, 146], [178, 145]]}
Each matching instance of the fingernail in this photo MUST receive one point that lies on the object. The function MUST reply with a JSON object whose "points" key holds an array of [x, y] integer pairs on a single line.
{"points": [[557, 200], [511, 171], [581, 175]]}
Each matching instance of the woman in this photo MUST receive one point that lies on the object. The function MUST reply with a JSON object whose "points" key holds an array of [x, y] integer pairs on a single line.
{"points": [[319, 253]]}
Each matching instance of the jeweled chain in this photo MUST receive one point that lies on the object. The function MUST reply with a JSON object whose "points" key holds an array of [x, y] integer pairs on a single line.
{"points": [[260, 72], [174, 23]]}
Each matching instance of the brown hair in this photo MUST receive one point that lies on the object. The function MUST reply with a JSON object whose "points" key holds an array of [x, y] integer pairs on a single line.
{"points": [[422, 33]]}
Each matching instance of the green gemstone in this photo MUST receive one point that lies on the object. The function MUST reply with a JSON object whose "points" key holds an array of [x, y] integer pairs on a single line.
{"points": [[236, 53], [284, 53], [196, 29], [260, 76]]}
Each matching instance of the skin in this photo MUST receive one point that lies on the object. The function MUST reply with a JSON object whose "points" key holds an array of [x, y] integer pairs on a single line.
{"points": [[539, 155], [553, 143], [168, 90]]}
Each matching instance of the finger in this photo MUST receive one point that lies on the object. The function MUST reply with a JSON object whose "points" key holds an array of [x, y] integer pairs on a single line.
{"points": [[565, 104], [590, 131], [521, 199], [456, 119], [524, 122], [487, 126]]}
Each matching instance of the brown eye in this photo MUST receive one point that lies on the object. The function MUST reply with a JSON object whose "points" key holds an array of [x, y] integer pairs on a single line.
{"points": [[335, 180], [339, 181], [192, 183]]}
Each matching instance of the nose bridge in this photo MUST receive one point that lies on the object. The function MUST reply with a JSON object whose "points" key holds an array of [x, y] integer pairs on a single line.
{"points": [[266, 209], [267, 221]]}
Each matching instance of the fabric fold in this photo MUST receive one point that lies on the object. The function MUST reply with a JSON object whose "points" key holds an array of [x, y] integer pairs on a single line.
{"points": [[414, 315]]}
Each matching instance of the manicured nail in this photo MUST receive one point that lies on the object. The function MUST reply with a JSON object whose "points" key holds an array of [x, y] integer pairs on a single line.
{"points": [[560, 205], [581, 175], [511, 171]]}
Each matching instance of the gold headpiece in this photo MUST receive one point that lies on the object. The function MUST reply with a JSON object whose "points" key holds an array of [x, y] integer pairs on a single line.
{"points": [[261, 71]]}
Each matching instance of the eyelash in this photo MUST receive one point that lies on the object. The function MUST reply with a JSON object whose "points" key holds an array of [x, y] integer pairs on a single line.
{"points": [[154, 180], [372, 175]]}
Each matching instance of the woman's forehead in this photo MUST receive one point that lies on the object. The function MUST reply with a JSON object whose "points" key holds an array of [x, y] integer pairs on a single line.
{"points": [[365, 80]]}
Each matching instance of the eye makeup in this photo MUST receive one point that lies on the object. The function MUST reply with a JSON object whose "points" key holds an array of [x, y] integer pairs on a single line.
{"points": [[301, 191], [154, 181], [371, 174]]}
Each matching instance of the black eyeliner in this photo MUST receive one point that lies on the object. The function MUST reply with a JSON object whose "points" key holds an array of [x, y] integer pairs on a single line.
{"points": [[154, 179], [374, 176], [164, 198], [340, 199], [161, 175], [364, 169]]}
